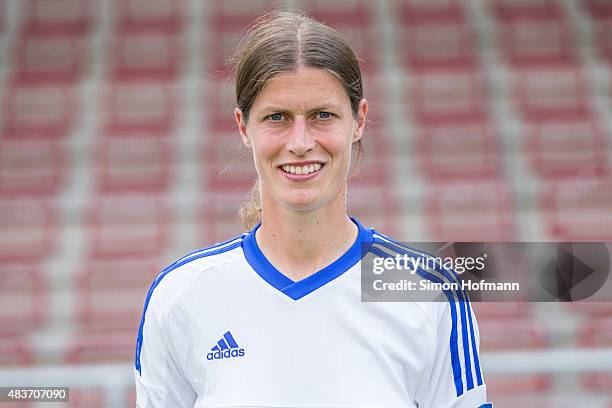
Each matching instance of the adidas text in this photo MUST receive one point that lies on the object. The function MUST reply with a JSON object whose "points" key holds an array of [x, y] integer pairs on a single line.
{"points": [[221, 354]]}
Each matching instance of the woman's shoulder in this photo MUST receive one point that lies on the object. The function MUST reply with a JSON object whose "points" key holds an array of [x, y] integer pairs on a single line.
{"points": [[209, 255], [180, 274]]}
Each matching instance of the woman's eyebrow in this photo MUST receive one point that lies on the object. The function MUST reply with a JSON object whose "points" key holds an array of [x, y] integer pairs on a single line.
{"points": [[274, 109]]}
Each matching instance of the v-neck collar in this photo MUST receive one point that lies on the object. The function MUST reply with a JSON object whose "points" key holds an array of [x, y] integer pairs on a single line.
{"points": [[298, 289]]}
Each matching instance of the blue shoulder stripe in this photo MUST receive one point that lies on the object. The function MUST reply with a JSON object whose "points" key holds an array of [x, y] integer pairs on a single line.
{"points": [[214, 250], [197, 251], [464, 310]]}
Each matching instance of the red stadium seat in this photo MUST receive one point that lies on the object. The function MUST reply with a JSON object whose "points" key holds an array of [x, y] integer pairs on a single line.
{"points": [[434, 34], [599, 9], [147, 53], [458, 152], [521, 333], [219, 102], [67, 16], [126, 226], [535, 40], [448, 96], [354, 19], [110, 347], [31, 167], [512, 334], [501, 310], [86, 398], [597, 333], [38, 110], [523, 399], [347, 11], [111, 293], [219, 215], [551, 93], [415, 10], [133, 164], [51, 57], [603, 38], [375, 90], [227, 164], [15, 351], [28, 229], [2, 18], [23, 302], [375, 167], [143, 107], [470, 211], [517, 9], [566, 149], [513, 384], [430, 43], [150, 14], [578, 210], [226, 21], [130, 398], [375, 206], [591, 309]]}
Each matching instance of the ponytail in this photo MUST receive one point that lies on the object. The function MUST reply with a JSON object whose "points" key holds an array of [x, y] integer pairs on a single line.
{"points": [[250, 211]]}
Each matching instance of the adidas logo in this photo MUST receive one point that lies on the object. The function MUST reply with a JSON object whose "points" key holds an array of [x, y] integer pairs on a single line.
{"points": [[225, 348]]}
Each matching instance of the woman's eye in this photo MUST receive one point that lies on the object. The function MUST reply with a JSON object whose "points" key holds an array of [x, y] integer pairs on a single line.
{"points": [[324, 115], [275, 117]]}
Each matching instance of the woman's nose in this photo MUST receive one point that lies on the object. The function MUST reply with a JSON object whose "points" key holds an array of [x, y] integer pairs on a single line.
{"points": [[300, 140]]}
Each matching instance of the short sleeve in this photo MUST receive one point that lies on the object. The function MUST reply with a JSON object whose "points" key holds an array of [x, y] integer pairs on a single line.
{"points": [[159, 380], [454, 376]]}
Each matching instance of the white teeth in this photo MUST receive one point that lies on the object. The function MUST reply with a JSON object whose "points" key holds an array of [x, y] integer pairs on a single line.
{"points": [[302, 169]]}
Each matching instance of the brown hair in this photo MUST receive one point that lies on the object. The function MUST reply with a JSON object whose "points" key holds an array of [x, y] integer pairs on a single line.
{"points": [[283, 41]]}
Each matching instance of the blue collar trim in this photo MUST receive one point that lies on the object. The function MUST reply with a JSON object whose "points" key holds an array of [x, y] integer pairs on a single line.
{"points": [[296, 290]]}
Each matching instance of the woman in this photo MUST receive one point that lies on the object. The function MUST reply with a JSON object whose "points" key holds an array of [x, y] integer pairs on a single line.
{"points": [[273, 317]]}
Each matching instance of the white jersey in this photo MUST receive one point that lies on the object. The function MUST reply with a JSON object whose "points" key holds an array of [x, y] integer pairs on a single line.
{"points": [[222, 327]]}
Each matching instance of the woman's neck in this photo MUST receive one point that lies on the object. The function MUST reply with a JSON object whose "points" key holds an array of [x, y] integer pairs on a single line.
{"points": [[299, 243]]}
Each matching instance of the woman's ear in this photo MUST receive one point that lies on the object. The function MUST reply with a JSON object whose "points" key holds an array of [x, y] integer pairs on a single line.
{"points": [[362, 113], [239, 117]]}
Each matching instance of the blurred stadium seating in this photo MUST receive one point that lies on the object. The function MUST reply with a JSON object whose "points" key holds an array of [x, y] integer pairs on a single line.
{"points": [[490, 120]]}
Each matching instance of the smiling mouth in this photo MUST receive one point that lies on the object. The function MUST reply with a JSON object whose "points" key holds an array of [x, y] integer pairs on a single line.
{"points": [[302, 170]]}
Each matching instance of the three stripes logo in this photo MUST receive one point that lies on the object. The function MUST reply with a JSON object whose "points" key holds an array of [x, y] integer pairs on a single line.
{"points": [[225, 348]]}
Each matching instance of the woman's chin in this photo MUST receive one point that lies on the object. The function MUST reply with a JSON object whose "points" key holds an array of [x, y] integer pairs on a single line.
{"points": [[301, 202]]}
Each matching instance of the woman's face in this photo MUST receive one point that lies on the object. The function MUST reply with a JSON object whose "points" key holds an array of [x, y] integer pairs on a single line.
{"points": [[301, 129]]}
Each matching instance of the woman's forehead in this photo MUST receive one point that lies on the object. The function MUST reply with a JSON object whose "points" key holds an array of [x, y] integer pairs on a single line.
{"points": [[305, 87]]}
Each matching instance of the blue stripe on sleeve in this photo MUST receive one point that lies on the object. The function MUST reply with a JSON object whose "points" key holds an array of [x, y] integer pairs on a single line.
{"points": [[466, 347], [474, 348], [464, 310], [454, 349]]}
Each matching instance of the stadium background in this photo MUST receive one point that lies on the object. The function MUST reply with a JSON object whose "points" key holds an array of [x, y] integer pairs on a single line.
{"points": [[491, 120]]}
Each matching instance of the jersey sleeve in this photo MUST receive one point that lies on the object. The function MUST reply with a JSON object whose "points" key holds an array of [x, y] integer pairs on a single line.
{"points": [[454, 376], [160, 381]]}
